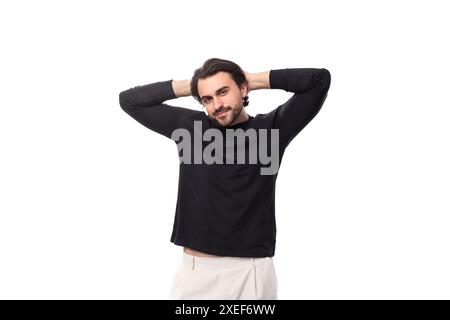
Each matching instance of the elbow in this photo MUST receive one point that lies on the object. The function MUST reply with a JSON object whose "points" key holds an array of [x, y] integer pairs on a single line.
{"points": [[321, 80], [325, 79], [123, 101]]}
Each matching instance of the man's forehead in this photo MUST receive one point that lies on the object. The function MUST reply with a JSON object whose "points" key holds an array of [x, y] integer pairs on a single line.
{"points": [[213, 83]]}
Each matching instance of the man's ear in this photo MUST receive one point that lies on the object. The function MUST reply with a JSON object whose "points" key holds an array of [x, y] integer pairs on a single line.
{"points": [[244, 89]]}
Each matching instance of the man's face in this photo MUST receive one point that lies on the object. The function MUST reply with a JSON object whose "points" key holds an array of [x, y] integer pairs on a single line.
{"points": [[222, 98]]}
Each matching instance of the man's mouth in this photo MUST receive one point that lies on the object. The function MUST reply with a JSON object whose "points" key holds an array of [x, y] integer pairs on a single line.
{"points": [[221, 114]]}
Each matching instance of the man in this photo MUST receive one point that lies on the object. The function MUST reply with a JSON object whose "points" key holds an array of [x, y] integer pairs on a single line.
{"points": [[225, 212]]}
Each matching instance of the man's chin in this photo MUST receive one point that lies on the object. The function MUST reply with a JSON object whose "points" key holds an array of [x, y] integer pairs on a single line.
{"points": [[223, 123]]}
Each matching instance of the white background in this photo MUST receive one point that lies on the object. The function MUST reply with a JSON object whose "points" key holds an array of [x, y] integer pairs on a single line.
{"points": [[88, 194]]}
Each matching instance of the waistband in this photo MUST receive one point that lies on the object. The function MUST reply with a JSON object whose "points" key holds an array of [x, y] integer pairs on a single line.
{"points": [[220, 262]]}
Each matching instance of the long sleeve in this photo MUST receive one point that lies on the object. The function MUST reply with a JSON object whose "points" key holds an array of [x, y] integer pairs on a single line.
{"points": [[145, 105], [310, 87]]}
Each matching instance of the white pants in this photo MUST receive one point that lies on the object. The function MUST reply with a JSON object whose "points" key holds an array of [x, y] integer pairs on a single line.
{"points": [[224, 278]]}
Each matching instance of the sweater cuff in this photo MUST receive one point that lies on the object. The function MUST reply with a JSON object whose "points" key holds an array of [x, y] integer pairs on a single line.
{"points": [[278, 79], [167, 89]]}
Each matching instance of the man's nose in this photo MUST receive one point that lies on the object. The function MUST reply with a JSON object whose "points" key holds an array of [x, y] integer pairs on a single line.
{"points": [[218, 104]]}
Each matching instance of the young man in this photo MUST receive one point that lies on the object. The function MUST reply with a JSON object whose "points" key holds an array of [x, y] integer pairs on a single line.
{"points": [[229, 160]]}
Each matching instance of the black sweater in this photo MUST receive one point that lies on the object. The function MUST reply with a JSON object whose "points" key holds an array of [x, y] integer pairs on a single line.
{"points": [[229, 209]]}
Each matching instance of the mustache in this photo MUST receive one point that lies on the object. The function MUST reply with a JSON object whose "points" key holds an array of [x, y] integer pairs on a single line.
{"points": [[220, 111]]}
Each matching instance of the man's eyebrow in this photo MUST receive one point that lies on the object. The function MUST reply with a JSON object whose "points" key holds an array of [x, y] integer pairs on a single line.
{"points": [[217, 91]]}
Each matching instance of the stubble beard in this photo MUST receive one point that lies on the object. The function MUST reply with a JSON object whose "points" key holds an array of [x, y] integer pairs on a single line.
{"points": [[234, 115]]}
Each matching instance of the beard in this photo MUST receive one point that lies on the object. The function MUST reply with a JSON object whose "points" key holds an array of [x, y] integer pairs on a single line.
{"points": [[234, 115]]}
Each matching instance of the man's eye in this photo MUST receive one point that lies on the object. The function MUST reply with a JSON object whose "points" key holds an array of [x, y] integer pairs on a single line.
{"points": [[223, 92]]}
